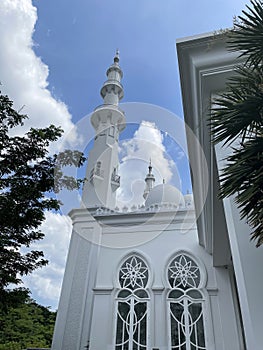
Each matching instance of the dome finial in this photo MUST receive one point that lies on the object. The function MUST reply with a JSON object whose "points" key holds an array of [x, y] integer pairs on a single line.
{"points": [[150, 166], [117, 56]]}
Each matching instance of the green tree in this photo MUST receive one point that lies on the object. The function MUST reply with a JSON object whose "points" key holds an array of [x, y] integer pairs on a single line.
{"points": [[27, 325], [238, 119], [28, 173]]}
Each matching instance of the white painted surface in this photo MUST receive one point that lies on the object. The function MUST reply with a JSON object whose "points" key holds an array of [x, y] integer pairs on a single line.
{"points": [[205, 65], [100, 243], [90, 286]]}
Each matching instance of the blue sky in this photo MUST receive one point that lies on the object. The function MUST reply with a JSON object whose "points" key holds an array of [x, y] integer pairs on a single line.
{"points": [[77, 40], [53, 59]]}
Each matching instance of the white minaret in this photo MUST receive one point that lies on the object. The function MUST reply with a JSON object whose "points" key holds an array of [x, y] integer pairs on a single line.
{"points": [[149, 180], [102, 179]]}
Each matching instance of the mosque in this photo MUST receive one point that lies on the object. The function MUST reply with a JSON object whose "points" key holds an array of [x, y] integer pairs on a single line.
{"points": [[160, 277]]}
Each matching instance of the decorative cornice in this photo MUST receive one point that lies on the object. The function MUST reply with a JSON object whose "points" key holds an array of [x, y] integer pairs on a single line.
{"points": [[205, 65], [109, 217]]}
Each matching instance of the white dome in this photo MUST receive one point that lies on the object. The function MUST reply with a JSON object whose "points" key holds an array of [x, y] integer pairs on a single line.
{"points": [[165, 194]]}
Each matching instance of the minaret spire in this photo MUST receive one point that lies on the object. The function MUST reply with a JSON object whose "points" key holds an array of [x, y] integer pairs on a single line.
{"points": [[112, 90], [108, 120], [117, 56], [150, 180]]}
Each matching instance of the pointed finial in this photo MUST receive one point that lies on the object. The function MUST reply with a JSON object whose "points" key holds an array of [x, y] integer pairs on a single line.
{"points": [[117, 56], [150, 166]]}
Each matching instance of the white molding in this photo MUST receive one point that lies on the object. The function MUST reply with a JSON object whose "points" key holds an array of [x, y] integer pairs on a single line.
{"points": [[102, 289], [205, 64]]}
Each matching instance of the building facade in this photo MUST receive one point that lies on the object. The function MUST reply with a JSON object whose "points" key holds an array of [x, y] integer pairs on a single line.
{"points": [[143, 278], [205, 66]]}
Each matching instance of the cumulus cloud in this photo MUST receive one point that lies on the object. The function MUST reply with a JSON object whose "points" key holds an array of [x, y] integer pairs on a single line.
{"points": [[24, 78], [135, 154], [45, 283], [23, 75]]}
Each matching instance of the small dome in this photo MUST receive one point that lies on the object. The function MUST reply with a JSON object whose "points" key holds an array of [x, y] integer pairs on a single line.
{"points": [[165, 194]]}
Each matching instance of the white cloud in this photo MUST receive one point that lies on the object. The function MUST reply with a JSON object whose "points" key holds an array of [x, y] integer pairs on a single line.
{"points": [[45, 283], [180, 154], [24, 77], [135, 154]]}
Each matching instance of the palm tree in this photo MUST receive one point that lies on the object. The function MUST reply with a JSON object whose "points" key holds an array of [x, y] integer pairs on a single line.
{"points": [[237, 120]]}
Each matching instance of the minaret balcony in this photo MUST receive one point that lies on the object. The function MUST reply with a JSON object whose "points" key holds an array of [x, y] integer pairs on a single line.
{"points": [[112, 82], [109, 106], [108, 113], [112, 85]]}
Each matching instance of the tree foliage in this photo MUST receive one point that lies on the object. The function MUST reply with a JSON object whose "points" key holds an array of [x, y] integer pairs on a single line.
{"points": [[26, 326], [28, 177], [237, 120]]}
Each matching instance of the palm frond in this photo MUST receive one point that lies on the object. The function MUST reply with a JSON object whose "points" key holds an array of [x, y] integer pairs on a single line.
{"points": [[244, 171], [247, 36], [238, 112], [236, 118]]}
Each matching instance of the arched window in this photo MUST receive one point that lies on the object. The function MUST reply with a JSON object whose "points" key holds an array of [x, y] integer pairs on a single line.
{"points": [[185, 305], [132, 305]]}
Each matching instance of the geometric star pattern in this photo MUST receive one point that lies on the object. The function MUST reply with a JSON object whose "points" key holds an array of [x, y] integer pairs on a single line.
{"points": [[183, 272], [133, 273]]}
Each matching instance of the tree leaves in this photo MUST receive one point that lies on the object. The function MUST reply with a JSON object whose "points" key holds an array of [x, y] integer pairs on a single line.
{"points": [[237, 121], [28, 178], [243, 178], [247, 36], [26, 324]]}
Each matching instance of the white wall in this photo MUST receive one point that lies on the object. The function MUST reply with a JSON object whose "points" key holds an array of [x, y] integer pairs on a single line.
{"points": [[248, 262]]}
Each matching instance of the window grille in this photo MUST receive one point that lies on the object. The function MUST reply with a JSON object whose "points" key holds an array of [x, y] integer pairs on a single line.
{"points": [[132, 306], [185, 305]]}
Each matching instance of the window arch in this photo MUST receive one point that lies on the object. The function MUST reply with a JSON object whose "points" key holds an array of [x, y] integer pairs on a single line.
{"points": [[132, 305], [185, 304]]}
